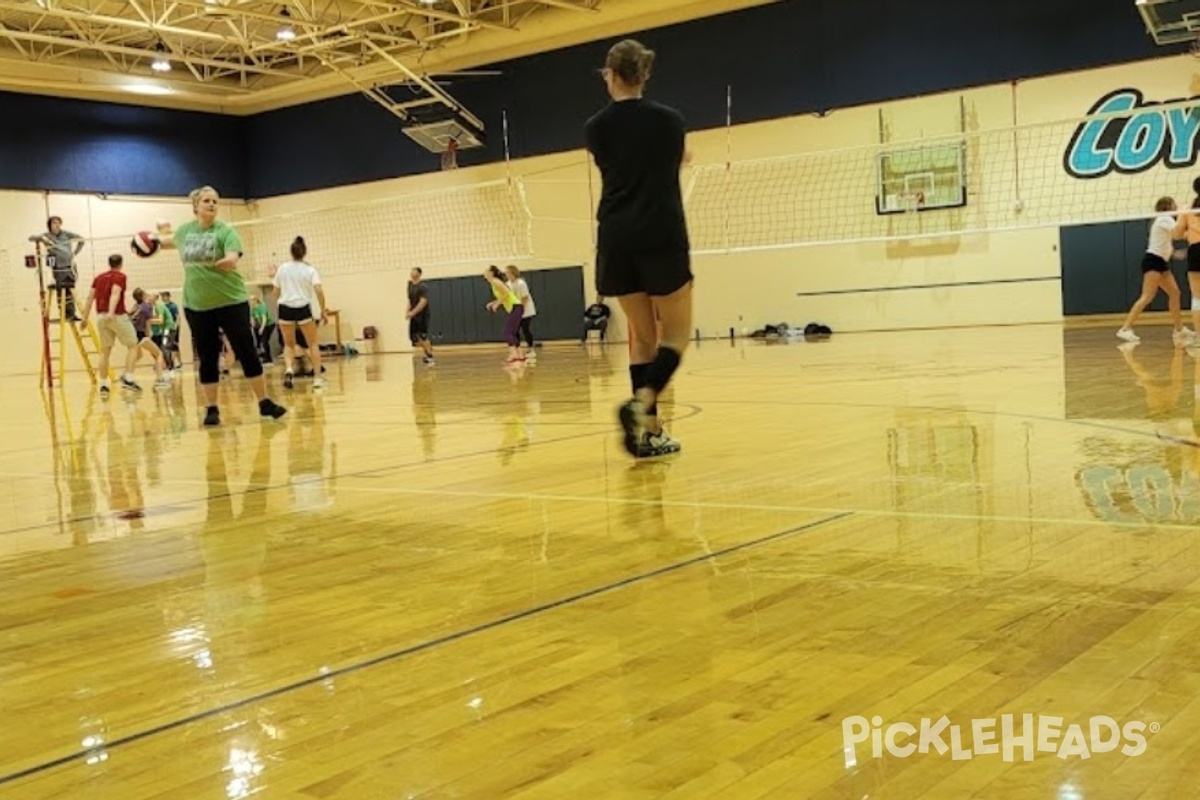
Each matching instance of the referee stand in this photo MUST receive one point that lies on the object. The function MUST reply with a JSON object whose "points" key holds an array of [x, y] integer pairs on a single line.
{"points": [[56, 331]]}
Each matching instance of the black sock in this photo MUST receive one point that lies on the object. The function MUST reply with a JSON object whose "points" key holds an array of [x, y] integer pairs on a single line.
{"points": [[639, 377], [666, 361]]}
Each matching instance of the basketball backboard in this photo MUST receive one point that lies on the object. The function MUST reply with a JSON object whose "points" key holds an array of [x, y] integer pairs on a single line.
{"points": [[435, 136], [1171, 21]]}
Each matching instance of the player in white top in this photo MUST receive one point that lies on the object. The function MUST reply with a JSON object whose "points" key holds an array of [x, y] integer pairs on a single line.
{"points": [[1190, 220], [521, 289], [298, 286], [1156, 272]]}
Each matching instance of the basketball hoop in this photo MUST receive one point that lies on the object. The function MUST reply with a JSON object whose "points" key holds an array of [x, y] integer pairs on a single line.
{"points": [[450, 155]]}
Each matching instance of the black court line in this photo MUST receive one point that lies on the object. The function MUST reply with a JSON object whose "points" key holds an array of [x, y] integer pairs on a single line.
{"points": [[418, 648], [870, 289]]}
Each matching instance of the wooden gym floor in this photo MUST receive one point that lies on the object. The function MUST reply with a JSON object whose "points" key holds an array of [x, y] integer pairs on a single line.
{"points": [[450, 583]]}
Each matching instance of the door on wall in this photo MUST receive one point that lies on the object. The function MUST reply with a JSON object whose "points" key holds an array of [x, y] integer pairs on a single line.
{"points": [[459, 314], [1101, 268]]}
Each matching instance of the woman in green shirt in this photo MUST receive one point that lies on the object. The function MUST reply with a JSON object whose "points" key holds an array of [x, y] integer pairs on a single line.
{"points": [[215, 300]]}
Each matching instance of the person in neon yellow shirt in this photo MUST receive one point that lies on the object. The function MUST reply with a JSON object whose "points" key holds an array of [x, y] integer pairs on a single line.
{"points": [[506, 298]]}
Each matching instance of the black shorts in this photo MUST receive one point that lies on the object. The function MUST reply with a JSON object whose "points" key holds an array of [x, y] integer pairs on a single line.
{"points": [[657, 275], [289, 314], [1153, 263], [1193, 257], [418, 328]]}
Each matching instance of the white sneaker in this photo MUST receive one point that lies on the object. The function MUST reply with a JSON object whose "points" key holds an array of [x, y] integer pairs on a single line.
{"points": [[319, 383], [1128, 335]]}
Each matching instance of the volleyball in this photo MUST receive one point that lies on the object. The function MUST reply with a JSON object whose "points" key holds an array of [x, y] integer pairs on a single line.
{"points": [[144, 244]]}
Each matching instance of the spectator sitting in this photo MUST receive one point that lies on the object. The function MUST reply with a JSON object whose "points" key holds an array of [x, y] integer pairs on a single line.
{"points": [[595, 318]]}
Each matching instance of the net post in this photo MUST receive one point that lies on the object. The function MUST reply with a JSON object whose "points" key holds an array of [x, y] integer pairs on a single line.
{"points": [[508, 168], [728, 160]]}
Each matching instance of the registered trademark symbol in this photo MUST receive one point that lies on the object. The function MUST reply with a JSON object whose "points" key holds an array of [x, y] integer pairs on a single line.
{"points": [[1155, 727]]}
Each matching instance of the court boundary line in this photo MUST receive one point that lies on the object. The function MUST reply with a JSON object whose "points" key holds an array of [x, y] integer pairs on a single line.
{"points": [[908, 288], [693, 411], [420, 647], [766, 507]]}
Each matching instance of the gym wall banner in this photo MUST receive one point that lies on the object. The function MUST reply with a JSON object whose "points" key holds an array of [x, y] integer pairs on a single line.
{"points": [[1136, 142]]}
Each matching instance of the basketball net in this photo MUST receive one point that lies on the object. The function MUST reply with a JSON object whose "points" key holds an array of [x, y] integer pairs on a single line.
{"points": [[913, 202], [450, 156]]}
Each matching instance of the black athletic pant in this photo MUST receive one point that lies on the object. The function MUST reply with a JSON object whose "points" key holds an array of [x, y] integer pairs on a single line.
{"points": [[64, 300], [264, 341], [526, 331], [207, 327]]}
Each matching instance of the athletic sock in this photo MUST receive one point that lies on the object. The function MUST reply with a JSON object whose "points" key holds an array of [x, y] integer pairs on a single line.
{"points": [[666, 361], [639, 377]]}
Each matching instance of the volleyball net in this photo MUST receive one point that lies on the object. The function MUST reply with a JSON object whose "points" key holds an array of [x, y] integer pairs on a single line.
{"points": [[1101, 168], [1094, 169]]}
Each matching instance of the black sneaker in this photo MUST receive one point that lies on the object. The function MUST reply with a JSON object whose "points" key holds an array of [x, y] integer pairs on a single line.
{"points": [[288, 378], [269, 408], [212, 416], [631, 416]]}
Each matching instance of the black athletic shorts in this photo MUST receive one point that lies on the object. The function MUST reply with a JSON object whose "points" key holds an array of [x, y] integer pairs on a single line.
{"points": [[301, 314], [1193, 257], [1153, 263], [418, 328], [656, 275]]}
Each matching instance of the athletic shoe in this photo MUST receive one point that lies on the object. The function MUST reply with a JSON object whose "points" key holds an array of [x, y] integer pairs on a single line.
{"points": [[288, 378], [632, 415], [269, 408], [319, 383], [1128, 335], [662, 442], [104, 391], [429, 361], [212, 416], [132, 386]]}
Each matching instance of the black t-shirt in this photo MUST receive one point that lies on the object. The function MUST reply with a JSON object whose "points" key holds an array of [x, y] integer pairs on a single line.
{"points": [[638, 145], [597, 311], [415, 292]]}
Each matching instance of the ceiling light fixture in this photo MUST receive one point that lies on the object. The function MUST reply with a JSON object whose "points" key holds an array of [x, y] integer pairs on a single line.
{"points": [[285, 33], [160, 64]]}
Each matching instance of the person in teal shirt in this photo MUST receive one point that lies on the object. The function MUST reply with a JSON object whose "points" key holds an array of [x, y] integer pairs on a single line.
{"points": [[163, 331], [215, 300], [264, 327]]}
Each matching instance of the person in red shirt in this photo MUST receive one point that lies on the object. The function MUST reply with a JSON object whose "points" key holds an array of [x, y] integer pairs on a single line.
{"points": [[112, 322]]}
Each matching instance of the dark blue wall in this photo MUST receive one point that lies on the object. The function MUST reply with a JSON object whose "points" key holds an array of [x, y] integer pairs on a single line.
{"points": [[787, 58], [79, 146]]}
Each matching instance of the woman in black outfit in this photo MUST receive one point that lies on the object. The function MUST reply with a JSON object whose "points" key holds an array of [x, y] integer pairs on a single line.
{"points": [[643, 254]]}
